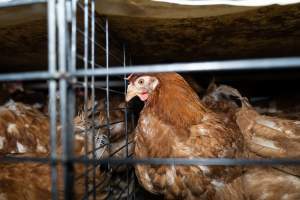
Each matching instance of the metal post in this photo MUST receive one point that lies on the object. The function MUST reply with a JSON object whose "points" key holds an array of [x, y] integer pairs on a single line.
{"points": [[52, 94], [86, 63], [107, 97], [93, 92], [66, 97]]}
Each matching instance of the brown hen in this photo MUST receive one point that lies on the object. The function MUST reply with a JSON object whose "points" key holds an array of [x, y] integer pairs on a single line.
{"points": [[32, 180], [175, 123], [23, 129], [265, 136]]}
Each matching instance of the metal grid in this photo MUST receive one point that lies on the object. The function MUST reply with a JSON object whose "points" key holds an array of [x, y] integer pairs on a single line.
{"points": [[63, 73]]}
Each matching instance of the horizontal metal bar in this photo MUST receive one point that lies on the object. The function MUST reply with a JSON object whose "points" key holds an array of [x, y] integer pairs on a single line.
{"points": [[37, 75], [232, 65], [195, 161], [12, 3], [159, 161], [102, 84], [250, 64], [79, 84]]}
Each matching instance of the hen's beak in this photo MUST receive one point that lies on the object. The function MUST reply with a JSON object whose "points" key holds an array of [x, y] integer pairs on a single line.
{"points": [[131, 92]]}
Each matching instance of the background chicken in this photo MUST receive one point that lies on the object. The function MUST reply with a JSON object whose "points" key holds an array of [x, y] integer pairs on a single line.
{"points": [[25, 132], [265, 136], [114, 132], [23, 129], [113, 137]]}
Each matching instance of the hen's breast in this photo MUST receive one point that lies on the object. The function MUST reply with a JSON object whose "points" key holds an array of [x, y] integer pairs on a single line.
{"points": [[153, 137]]}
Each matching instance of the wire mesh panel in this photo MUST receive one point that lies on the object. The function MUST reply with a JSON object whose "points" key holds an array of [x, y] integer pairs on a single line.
{"points": [[88, 119], [103, 108]]}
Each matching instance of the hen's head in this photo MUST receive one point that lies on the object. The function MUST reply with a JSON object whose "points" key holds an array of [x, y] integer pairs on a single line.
{"points": [[142, 86]]}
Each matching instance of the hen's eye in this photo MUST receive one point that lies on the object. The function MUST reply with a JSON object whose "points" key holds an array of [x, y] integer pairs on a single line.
{"points": [[141, 81]]}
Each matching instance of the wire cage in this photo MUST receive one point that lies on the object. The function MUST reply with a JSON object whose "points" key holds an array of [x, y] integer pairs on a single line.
{"points": [[84, 56], [80, 40]]}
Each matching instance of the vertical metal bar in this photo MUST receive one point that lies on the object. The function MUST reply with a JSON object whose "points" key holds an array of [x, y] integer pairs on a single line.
{"points": [[86, 57], [132, 128], [52, 93], [93, 92], [107, 96], [125, 120], [71, 100], [73, 36], [65, 94], [53, 138]]}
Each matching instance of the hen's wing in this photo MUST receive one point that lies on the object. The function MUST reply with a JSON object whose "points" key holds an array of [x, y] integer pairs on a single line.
{"points": [[265, 136], [269, 136], [213, 139]]}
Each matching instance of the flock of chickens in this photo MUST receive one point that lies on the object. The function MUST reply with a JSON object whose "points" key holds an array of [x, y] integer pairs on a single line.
{"points": [[174, 123]]}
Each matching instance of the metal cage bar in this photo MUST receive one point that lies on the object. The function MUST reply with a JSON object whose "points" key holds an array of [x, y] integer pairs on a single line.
{"points": [[13, 3], [67, 104], [212, 66], [107, 99], [52, 85], [86, 64], [93, 92]]}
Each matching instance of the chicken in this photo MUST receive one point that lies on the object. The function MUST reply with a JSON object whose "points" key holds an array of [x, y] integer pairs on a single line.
{"points": [[265, 136], [116, 118], [33, 180], [116, 126], [219, 100], [269, 136], [175, 123], [261, 183], [175, 117], [23, 129], [118, 146]]}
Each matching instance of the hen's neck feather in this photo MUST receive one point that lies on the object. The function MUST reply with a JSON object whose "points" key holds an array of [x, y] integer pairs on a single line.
{"points": [[175, 102]]}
